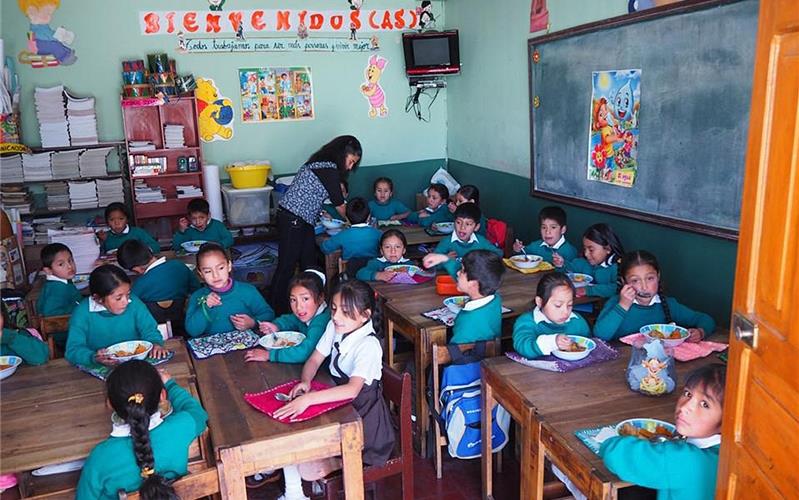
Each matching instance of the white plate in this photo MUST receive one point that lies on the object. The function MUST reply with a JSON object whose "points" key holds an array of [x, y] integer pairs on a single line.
{"points": [[526, 261], [576, 356], [130, 346], [443, 227], [580, 280], [193, 246], [277, 340], [455, 304], [13, 362], [333, 223], [49, 470]]}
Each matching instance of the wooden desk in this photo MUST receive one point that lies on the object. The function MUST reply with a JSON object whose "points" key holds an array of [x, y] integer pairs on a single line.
{"points": [[550, 406], [246, 441]]}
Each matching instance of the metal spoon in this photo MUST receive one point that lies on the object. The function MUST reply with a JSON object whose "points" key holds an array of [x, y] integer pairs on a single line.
{"points": [[282, 397]]}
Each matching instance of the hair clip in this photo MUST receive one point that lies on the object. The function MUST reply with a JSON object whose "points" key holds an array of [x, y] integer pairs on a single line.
{"points": [[137, 398], [147, 472]]}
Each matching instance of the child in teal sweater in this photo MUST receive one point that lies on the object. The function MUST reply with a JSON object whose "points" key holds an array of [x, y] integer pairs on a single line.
{"points": [[468, 193], [159, 279], [223, 305], [116, 216], [358, 241], [199, 226], [641, 302], [552, 246], [18, 342], [148, 447], [384, 207], [436, 209], [58, 296], [310, 316], [110, 315], [602, 250], [547, 327], [392, 247], [684, 469], [463, 239]]}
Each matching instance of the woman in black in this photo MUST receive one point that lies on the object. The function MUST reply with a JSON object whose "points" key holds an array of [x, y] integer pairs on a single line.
{"points": [[318, 179]]}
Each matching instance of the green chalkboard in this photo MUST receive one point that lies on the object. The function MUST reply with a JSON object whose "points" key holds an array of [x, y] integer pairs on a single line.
{"points": [[696, 61]]}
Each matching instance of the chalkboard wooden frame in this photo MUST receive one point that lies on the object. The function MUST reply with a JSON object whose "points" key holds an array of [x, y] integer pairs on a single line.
{"points": [[646, 15]]}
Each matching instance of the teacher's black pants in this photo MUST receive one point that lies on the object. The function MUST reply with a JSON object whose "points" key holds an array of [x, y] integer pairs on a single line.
{"points": [[297, 243]]}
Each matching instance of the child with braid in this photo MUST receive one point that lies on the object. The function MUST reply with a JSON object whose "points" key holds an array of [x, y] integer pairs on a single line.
{"points": [[148, 446], [642, 302]]}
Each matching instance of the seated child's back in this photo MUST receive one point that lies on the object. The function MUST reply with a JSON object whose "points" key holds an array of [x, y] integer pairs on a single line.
{"points": [[199, 226], [159, 279], [479, 277], [358, 241]]}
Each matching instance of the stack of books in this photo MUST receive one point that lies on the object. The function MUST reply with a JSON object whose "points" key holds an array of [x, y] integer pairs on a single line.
{"points": [[92, 162], [11, 169], [53, 126], [41, 226], [65, 164], [188, 191], [36, 167], [173, 136], [15, 197], [83, 244], [109, 191], [82, 195], [147, 194], [82, 120], [137, 146], [57, 196]]}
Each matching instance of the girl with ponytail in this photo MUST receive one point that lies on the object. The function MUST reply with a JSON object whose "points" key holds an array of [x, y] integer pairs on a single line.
{"points": [[154, 418]]}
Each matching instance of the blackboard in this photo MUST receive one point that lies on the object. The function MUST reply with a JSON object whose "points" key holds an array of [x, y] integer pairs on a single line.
{"points": [[696, 61]]}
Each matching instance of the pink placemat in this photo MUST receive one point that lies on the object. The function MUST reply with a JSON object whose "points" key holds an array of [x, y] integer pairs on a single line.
{"points": [[687, 351], [265, 402]]}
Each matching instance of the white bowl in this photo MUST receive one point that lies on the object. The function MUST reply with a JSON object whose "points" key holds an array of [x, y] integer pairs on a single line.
{"points": [[130, 346], [281, 340], [456, 303], [649, 424], [443, 227], [526, 261], [580, 280], [333, 232], [333, 223], [193, 246], [585, 342], [12, 362], [666, 330]]}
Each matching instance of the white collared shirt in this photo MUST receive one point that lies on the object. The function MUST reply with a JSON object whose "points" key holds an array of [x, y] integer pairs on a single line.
{"points": [[361, 354], [156, 263], [557, 245], [123, 430], [652, 302], [546, 343], [319, 310], [707, 442], [454, 238], [400, 261], [53, 277], [124, 231], [478, 303], [608, 262]]}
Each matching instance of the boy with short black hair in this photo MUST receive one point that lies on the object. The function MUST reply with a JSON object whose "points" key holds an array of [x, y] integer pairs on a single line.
{"points": [[58, 296], [479, 277], [464, 238], [160, 279], [436, 209], [199, 226], [358, 241], [552, 246]]}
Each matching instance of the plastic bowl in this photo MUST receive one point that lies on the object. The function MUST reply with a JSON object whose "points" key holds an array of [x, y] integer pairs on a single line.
{"points": [[665, 331], [445, 285], [12, 362], [403, 268], [588, 344], [333, 223], [444, 227], [248, 176], [580, 280], [647, 424], [193, 246], [455, 304], [526, 261], [281, 340], [130, 346]]}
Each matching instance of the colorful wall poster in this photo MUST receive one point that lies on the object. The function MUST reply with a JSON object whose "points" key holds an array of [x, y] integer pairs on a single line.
{"points": [[276, 94], [613, 133], [46, 47], [371, 88], [215, 112]]}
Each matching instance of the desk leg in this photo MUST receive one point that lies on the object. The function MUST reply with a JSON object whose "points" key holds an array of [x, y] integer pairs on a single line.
{"points": [[532, 457], [423, 349], [351, 447], [390, 343], [488, 402], [231, 476]]}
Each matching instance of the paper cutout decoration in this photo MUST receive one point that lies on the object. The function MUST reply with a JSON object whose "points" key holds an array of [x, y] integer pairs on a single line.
{"points": [[426, 18], [47, 47], [215, 113], [539, 15], [371, 88], [276, 94]]}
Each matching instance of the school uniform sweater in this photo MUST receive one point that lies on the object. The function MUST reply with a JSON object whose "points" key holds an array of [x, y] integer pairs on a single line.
{"points": [[21, 343], [374, 266], [165, 280], [242, 298], [331, 211], [111, 465], [604, 274], [360, 240], [480, 319], [57, 297], [454, 244], [384, 211], [441, 214], [483, 226], [114, 241], [615, 322], [534, 335], [562, 247], [93, 327], [313, 331], [678, 470], [214, 231]]}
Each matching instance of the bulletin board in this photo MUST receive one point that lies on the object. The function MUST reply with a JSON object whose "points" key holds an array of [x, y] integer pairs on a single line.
{"points": [[696, 62]]}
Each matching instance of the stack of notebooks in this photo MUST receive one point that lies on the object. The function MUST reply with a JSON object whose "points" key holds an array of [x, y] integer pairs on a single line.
{"points": [[15, 197], [188, 191], [36, 167], [65, 164], [28, 233], [147, 194], [82, 120], [137, 146], [109, 191], [57, 196], [50, 112], [173, 135], [11, 169], [82, 195], [92, 162], [83, 244], [41, 226]]}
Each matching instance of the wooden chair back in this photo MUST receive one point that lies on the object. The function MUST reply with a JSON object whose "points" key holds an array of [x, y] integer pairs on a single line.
{"points": [[49, 325], [198, 484]]}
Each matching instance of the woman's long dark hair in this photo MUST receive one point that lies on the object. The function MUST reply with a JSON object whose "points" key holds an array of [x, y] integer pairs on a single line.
{"points": [[336, 151], [644, 258], [134, 390]]}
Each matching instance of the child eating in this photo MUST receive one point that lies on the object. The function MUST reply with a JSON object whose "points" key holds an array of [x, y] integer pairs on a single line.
{"points": [[464, 238], [384, 207], [436, 209], [359, 240], [116, 216], [392, 247], [552, 246], [199, 226], [602, 250]]}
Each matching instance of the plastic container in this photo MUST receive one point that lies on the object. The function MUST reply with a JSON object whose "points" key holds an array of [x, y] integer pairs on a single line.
{"points": [[246, 207], [445, 285], [249, 175]]}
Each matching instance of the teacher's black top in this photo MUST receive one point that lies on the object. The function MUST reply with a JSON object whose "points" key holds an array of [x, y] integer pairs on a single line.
{"points": [[313, 184]]}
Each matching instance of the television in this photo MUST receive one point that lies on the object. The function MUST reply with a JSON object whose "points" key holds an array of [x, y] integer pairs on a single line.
{"points": [[431, 53]]}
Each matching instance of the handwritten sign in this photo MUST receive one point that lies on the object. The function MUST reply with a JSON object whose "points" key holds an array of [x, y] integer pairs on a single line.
{"points": [[206, 45]]}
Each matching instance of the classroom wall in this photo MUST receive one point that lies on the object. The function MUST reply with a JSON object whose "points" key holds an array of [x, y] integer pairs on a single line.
{"points": [[488, 144]]}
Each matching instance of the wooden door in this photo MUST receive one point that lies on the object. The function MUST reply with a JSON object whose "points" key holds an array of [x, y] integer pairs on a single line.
{"points": [[760, 434]]}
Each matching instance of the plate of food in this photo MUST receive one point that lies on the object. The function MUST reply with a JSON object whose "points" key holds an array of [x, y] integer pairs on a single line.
{"points": [[281, 340], [404, 268], [526, 261], [443, 227], [455, 304], [670, 335], [8, 365], [580, 280], [132, 349], [192, 246], [80, 281], [579, 348], [646, 428], [333, 224]]}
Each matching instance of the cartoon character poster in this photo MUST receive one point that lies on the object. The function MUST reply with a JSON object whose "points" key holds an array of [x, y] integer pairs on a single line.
{"points": [[613, 134], [371, 88], [215, 112], [47, 46], [276, 94]]}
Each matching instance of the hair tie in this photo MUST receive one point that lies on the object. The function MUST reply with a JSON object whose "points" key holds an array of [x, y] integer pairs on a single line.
{"points": [[318, 273], [147, 472], [137, 398]]}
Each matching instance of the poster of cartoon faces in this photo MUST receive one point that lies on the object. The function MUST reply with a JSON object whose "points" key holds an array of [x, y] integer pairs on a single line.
{"points": [[276, 94]]}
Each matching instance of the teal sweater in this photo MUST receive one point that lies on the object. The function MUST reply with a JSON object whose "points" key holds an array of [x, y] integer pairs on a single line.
{"points": [[567, 251], [526, 332], [604, 284], [615, 322], [442, 214], [357, 241], [111, 465], [313, 332], [214, 231], [57, 298], [462, 248], [374, 266], [331, 211], [243, 298], [171, 280], [90, 331], [114, 241], [386, 210], [483, 323], [677, 469], [21, 343]]}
